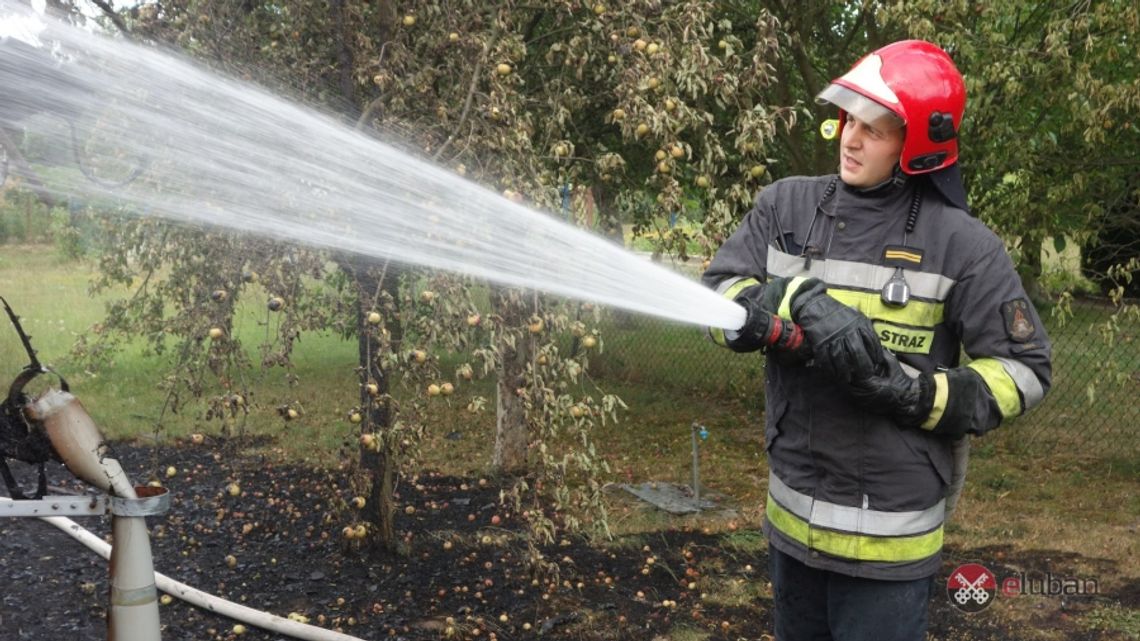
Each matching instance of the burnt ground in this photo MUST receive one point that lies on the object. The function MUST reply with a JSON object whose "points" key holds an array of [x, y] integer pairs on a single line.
{"points": [[283, 531]]}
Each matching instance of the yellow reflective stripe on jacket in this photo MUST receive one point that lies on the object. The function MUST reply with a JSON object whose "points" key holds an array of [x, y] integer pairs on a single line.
{"points": [[1001, 384], [941, 396], [785, 310], [739, 286], [1027, 382], [892, 549], [730, 289], [916, 313]]}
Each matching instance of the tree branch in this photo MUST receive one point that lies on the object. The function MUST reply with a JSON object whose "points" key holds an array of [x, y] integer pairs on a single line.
{"points": [[479, 65], [109, 11], [466, 105]]}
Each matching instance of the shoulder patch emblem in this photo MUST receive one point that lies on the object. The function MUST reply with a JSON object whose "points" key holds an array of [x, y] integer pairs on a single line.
{"points": [[1018, 320]]}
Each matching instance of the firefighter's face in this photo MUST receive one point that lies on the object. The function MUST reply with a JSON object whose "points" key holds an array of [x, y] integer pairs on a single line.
{"points": [[868, 152]]}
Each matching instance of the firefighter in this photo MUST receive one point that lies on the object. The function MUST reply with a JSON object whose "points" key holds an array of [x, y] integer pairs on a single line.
{"points": [[863, 288]]}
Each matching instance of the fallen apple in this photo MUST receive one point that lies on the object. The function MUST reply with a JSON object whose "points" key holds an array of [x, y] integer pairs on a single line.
{"points": [[536, 324]]}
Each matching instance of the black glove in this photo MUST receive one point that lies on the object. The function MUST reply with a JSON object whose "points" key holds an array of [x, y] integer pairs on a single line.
{"points": [[763, 328], [892, 392], [844, 345], [834, 330]]}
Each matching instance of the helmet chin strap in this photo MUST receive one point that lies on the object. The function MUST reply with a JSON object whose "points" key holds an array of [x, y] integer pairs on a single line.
{"points": [[896, 179]]}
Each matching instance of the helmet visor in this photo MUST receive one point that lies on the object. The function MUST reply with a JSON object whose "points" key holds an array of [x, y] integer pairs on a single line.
{"points": [[859, 106]]}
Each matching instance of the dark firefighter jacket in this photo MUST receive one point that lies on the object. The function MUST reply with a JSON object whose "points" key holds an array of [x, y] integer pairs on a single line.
{"points": [[850, 491]]}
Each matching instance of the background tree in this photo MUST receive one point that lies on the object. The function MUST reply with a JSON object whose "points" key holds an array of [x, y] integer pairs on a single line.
{"points": [[1048, 140]]}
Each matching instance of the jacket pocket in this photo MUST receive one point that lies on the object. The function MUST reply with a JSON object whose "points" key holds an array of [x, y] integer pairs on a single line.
{"points": [[777, 408], [941, 457]]}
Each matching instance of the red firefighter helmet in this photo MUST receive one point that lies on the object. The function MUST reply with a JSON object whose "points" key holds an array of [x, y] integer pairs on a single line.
{"points": [[916, 82]]}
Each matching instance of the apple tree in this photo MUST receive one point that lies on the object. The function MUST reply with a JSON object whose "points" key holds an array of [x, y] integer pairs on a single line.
{"points": [[651, 111]]}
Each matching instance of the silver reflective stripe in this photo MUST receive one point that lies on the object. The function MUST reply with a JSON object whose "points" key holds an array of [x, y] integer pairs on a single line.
{"points": [[727, 283], [846, 273], [1027, 382], [853, 519]]}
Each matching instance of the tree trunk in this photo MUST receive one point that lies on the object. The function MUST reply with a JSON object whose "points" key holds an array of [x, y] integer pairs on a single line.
{"points": [[379, 464], [1029, 268], [511, 434]]}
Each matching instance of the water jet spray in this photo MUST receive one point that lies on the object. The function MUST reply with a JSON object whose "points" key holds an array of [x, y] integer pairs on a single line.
{"points": [[222, 153]]}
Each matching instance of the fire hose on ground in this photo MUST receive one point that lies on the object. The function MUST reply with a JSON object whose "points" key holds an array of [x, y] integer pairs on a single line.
{"points": [[133, 613], [196, 597]]}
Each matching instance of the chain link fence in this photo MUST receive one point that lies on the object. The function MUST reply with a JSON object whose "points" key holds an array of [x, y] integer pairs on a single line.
{"points": [[1092, 409]]}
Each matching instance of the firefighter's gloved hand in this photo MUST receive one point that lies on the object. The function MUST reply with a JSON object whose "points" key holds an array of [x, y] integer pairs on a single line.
{"points": [[888, 389], [763, 328], [844, 345], [835, 332]]}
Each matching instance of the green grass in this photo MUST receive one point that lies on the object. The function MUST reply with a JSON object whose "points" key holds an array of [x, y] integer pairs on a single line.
{"points": [[1115, 618], [51, 297]]}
